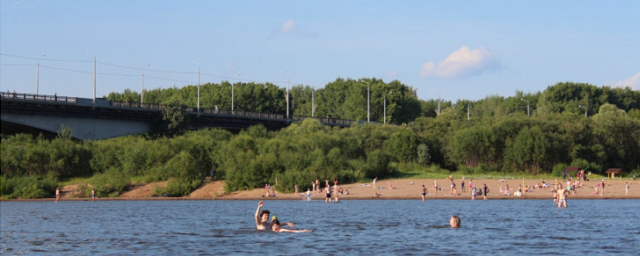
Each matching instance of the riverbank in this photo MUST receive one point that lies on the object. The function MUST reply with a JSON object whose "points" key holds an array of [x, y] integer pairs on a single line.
{"points": [[392, 189]]}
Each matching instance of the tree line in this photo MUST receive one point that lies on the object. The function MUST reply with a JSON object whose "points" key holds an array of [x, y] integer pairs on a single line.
{"points": [[495, 134]]}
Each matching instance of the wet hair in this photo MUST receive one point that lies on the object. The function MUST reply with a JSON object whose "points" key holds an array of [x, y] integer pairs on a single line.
{"points": [[267, 212], [456, 221]]}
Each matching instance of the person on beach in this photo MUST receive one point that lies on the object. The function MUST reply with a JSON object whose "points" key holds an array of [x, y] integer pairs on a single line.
{"points": [[473, 193], [453, 186], [275, 227], [562, 196], [485, 190], [93, 195], [470, 183], [626, 188], [602, 188], [462, 189], [455, 221], [57, 194], [374, 182], [423, 190], [262, 218], [308, 194]]}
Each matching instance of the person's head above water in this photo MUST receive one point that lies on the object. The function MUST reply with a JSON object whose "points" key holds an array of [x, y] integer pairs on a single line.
{"points": [[264, 215], [455, 221]]}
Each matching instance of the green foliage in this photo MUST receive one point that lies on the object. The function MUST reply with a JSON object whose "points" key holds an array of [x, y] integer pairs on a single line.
{"points": [[27, 187], [498, 138], [111, 183]]}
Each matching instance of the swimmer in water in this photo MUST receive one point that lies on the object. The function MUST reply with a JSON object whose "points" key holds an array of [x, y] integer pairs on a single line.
{"points": [[455, 221], [262, 218], [275, 227]]}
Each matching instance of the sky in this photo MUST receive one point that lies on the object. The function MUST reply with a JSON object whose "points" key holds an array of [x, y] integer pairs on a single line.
{"points": [[444, 49]]}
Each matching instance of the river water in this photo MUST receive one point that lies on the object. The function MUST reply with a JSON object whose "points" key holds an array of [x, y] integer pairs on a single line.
{"points": [[354, 227]]}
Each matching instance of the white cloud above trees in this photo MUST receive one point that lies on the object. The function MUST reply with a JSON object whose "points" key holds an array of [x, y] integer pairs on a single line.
{"points": [[464, 62]]}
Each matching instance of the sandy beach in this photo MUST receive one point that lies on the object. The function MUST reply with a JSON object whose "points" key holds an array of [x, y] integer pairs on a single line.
{"points": [[392, 189]]}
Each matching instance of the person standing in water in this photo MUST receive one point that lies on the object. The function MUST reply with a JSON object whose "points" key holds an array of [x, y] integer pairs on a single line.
{"points": [[93, 195], [423, 190], [57, 194], [562, 196]]}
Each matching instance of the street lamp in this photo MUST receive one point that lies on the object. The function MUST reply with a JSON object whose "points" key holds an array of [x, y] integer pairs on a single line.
{"points": [[385, 106], [142, 85], [94, 77], [438, 100], [368, 101], [313, 101], [232, 92], [585, 110], [528, 112], [287, 74], [38, 73], [198, 85]]}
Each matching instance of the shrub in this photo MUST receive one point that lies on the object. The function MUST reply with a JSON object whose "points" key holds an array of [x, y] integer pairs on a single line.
{"points": [[111, 183], [28, 187]]}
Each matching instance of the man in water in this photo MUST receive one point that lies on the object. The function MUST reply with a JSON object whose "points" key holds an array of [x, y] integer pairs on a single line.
{"points": [[562, 196], [93, 195], [454, 221], [57, 194], [424, 192], [262, 218]]}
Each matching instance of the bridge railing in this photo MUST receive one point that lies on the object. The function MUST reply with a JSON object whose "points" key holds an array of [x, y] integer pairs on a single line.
{"points": [[39, 97], [150, 106]]}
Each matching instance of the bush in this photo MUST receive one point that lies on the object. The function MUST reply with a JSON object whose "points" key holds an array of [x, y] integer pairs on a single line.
{"points": [[557, 170], [179, 187], [28, 187], [111, 183], [377, 164]]}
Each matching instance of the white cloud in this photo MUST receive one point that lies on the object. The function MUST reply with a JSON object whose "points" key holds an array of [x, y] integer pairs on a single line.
{"points": [[464, 62], [289, 26], [633, 82]]}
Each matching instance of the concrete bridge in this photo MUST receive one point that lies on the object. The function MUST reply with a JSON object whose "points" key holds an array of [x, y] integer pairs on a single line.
{"points": [[47, 114]]}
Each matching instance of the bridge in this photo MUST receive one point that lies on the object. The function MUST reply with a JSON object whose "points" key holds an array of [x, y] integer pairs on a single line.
{"points": [[103, 119]]}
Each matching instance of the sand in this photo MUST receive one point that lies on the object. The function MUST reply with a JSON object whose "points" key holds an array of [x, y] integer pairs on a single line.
{"points": [[401, 189]]}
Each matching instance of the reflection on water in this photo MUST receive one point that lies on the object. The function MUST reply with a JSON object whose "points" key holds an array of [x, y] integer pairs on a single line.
{"points": [[495, 227]]}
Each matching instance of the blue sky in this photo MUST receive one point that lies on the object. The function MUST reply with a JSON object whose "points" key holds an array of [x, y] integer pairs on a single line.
{"points": [[448, 49]]}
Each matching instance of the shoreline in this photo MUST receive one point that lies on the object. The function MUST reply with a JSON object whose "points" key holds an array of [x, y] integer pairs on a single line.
{"points": [[393, 189]]}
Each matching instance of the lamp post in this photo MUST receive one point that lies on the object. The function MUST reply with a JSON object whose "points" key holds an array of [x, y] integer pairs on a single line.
{"points": [[438, 101], [585, 110], [232, 93], [287, 74], [385, 106], [313, 101], [528, 112], [38, 74], [142, 84], [198, 112], [368, 101], [94, 77]]}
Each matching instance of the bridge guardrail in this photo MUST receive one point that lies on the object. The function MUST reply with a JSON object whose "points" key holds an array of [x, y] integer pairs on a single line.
{"points": [[39, 97], [158, 106]]}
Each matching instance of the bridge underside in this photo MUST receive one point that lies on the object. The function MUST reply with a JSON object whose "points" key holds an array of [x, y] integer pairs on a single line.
{"points": [[9, 128]]}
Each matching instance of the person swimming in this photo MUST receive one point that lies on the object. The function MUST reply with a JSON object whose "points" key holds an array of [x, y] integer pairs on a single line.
{"points": [[275, 227], [455, 221], [262, 218]]}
